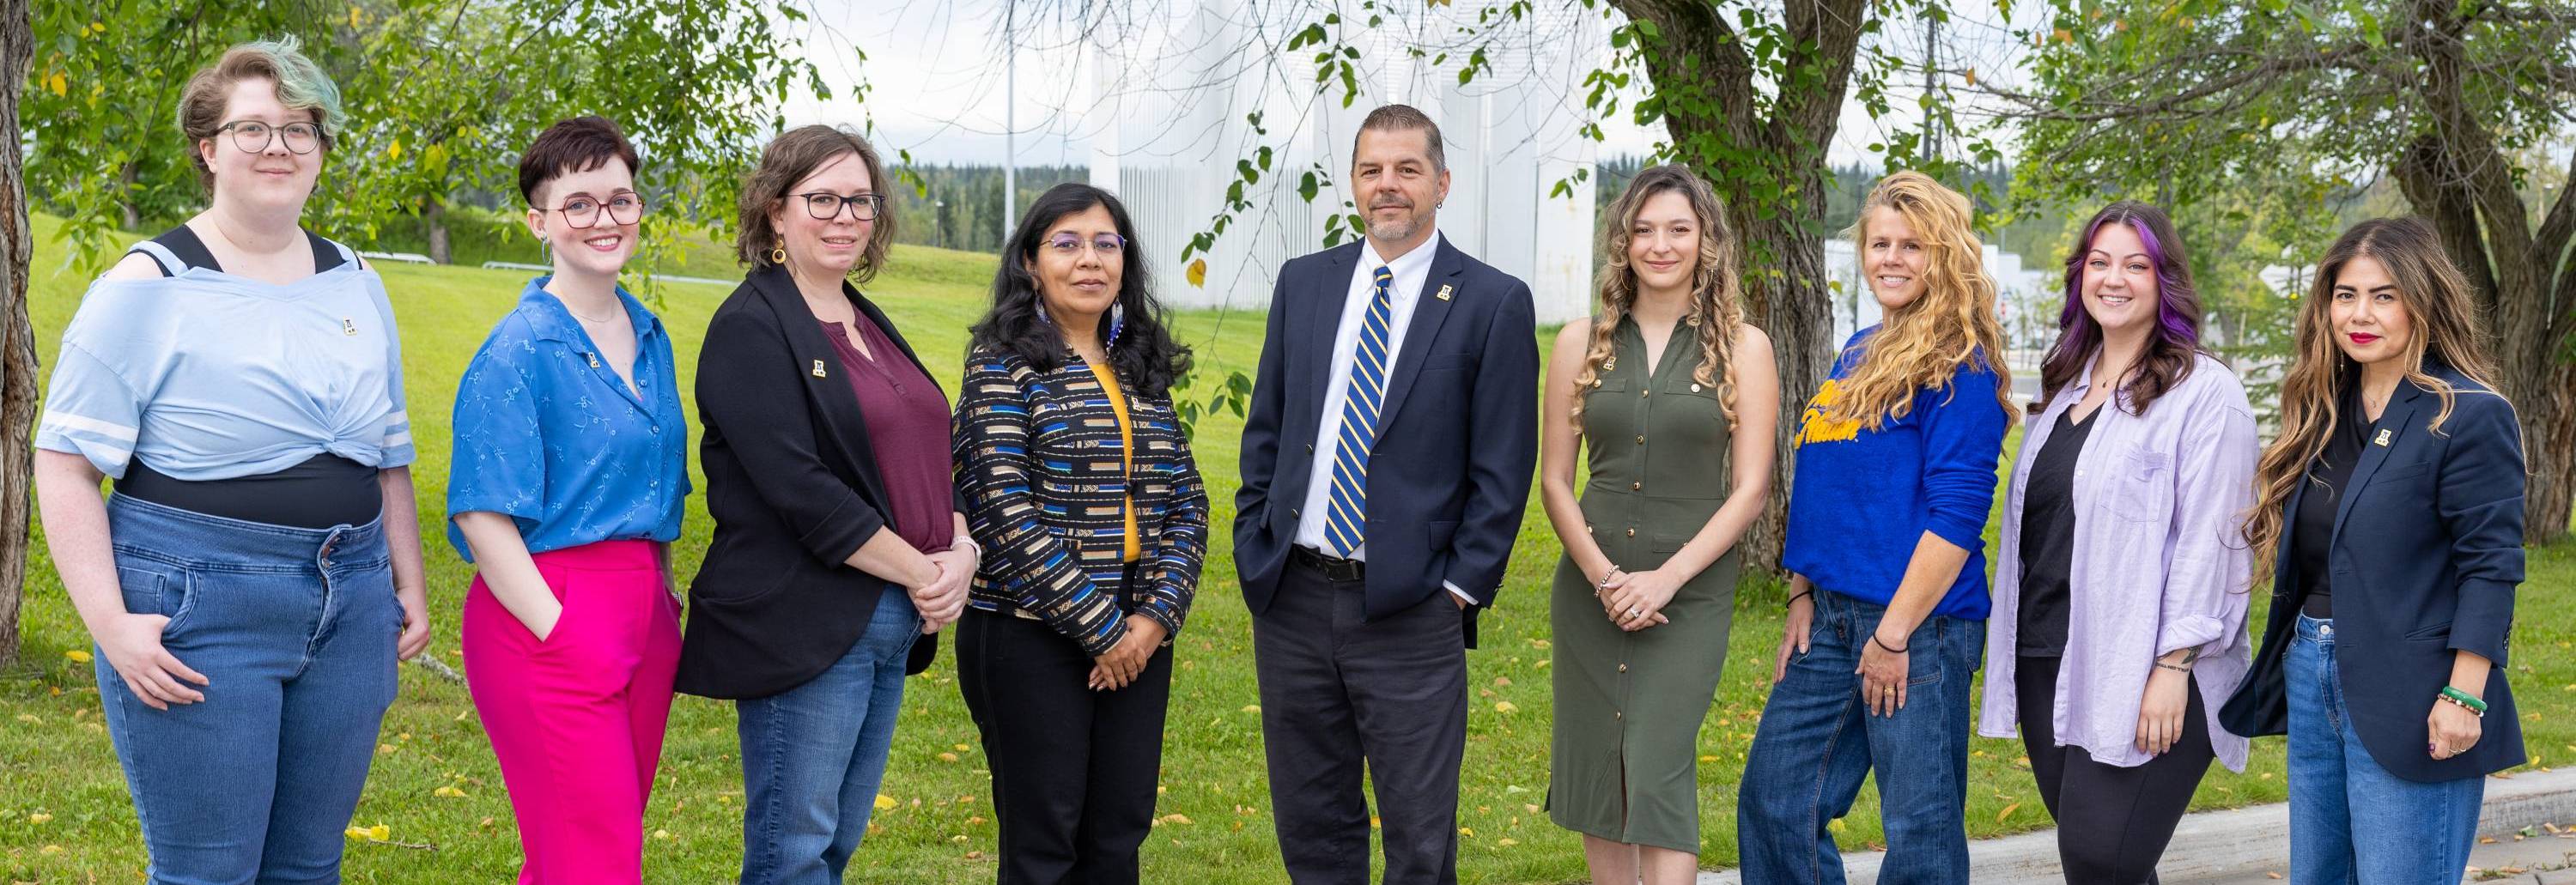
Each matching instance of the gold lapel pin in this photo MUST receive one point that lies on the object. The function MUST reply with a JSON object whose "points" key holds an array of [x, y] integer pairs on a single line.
{"points": [[348, 326], [818, 369], [594, 359], [1444, 292], [2383, 438]]}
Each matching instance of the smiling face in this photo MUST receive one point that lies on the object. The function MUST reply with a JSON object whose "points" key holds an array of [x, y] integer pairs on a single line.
{"points": [[602, 248], [1663, 242], [826, 245], [1398, 188], [2120, 287], [272, 179], [2368, 316], [1077, 285], [1892, 258]]}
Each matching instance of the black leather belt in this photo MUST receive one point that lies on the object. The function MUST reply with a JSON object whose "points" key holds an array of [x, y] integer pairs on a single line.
{"points": [[1333, 568]]}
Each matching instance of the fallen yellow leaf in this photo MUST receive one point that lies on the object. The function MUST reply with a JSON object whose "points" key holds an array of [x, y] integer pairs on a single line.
{"points": [[947, 757], [380, 832], [77, 656], [884, 802], [1504, 707], [449, 792], [51, 849], [39, 817], [2007, 812]]}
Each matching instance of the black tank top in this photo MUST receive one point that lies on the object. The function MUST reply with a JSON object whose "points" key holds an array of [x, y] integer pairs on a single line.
{"points": [[323, 491]]}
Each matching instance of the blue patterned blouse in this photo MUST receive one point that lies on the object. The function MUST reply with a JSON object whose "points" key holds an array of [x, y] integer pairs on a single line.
{"points": [[547, 434]]}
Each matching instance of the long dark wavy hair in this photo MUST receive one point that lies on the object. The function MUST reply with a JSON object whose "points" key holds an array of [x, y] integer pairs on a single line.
{"points": [[2174, 344], [1145, 356]]}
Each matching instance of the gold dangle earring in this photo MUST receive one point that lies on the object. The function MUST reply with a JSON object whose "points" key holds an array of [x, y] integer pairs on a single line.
{"points": [[778, 253]]}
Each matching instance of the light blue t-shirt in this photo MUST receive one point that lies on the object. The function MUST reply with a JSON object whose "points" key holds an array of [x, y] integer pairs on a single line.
{"points": [[206, 375], [547, 434]]}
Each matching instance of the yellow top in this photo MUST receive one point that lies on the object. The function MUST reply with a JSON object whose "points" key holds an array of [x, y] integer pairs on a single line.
{"points": [[1126, 447]]}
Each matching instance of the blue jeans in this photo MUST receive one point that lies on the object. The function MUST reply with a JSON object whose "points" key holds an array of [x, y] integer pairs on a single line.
{"points": [[813, 755], [294, 629], [1817, 741], [2351, 822]]}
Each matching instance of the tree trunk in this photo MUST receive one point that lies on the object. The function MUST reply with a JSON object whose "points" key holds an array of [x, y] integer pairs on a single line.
{"points": [[2457, 176], [1772, 173], [131, 215], [2549, 449], [17, 334], [434, 216]]}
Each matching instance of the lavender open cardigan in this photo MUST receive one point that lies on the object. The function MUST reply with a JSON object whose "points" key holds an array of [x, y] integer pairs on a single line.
{"points": [[2160, 562]]}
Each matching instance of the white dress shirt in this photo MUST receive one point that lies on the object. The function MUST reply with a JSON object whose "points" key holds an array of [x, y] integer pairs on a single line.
{"points": [[1411, 270]]}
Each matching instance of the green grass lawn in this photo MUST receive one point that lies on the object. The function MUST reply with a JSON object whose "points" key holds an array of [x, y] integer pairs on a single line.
{"points": [[64, 816]]}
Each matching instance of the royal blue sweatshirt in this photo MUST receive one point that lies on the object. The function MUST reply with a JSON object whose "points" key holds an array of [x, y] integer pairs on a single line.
{"points": [[1864, 497]]}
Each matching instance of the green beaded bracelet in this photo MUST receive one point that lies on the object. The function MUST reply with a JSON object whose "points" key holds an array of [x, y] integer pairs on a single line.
{"points": [[2465, 699]]}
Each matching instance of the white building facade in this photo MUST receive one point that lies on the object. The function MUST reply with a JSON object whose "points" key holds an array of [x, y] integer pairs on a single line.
{"points": [[1167, 125]]}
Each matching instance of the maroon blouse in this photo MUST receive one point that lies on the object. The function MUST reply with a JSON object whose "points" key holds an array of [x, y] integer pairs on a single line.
{"points": [[908, 427]]}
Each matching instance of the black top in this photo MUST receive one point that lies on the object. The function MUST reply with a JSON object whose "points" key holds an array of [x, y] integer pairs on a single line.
{"points": [[2048, 538], [323, 491], [2313, 526], [795, 488]]}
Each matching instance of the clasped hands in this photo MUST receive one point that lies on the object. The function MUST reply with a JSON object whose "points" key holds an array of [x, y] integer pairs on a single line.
{"points": [[943, 599], [1635, 600]]}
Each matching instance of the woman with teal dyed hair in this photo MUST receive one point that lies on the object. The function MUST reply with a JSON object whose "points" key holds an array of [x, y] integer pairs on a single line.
{"points": [[256, 574]]}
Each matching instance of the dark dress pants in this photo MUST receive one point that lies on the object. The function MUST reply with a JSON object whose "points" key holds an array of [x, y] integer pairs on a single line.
{"points": [[2112, 822], [1074, 770], [1340, 693]]}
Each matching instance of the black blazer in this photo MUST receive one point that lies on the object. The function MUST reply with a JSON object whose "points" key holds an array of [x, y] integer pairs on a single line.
{"points": [[2426, 553], [1457, 441], [794, 488]]}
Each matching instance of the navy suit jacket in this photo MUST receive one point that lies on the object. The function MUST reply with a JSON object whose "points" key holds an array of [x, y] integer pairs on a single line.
{"points": [[2426, 553], [1457, 437]]}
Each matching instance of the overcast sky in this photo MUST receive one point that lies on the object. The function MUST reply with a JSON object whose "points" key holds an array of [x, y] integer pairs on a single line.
{"points": [[937, 74]]}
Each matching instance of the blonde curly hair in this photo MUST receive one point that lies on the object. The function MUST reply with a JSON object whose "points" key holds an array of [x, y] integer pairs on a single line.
{"points": [[1717, 302], [1922, 344]]}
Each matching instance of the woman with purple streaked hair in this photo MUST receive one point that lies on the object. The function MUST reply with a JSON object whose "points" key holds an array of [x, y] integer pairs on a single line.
{"points": [[2119, 597]]}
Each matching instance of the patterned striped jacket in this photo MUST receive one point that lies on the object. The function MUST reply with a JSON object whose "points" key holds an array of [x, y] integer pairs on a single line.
{"points": [[1037, 459]]}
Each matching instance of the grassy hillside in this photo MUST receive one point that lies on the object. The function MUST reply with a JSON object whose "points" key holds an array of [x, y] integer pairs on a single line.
{"points": [[64, 815]]}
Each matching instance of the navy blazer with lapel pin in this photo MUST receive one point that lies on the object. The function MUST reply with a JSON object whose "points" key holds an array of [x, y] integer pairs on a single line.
{"points": [[2427, 552], [1456, 444]]}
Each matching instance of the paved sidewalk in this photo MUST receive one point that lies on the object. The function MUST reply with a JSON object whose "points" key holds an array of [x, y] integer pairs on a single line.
{"points": [[2247, 846]]}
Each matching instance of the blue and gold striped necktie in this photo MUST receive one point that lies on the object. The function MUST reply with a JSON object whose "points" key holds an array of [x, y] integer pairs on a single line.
{"points": [[1349, 511]]}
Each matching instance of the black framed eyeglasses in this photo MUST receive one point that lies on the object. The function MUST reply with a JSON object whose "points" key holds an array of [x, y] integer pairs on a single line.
{"points": [[253, 136], [1069, 244], [825, 205], [623, 207]]}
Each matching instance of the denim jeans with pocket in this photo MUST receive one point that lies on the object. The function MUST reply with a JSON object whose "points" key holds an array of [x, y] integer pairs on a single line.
{"points": [[295, 631], [2352, 822], [813, 755], [1817, 741]]}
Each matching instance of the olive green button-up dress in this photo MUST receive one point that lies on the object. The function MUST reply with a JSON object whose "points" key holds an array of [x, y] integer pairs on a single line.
{"points": [[1629, 705]]}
